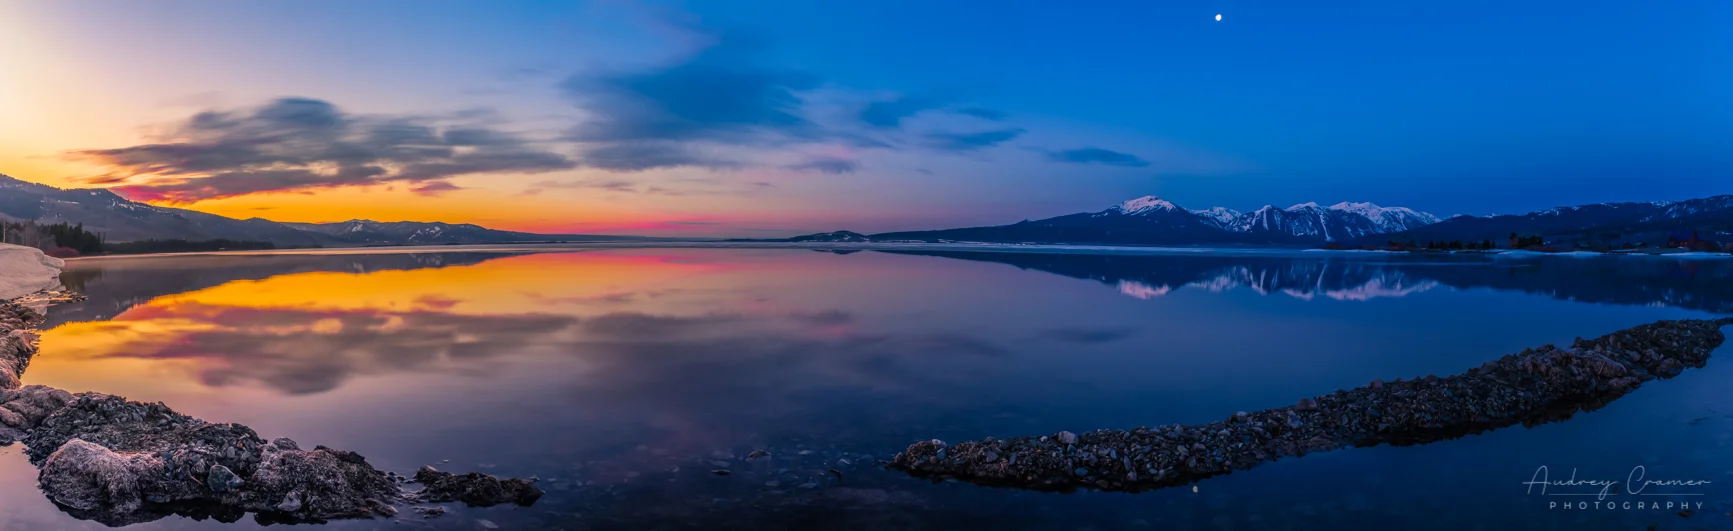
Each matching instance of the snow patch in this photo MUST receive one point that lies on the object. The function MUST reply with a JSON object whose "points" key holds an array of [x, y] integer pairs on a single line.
{"points": [[1221, 216], [1141, 290], [1148, 203], [26, 270]]}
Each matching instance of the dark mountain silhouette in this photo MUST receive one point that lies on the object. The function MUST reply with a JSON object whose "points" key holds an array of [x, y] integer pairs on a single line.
{"points": [[1602, 224], [121, 220]]}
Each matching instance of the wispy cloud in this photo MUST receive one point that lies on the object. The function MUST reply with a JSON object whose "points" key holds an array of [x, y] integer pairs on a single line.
{"points": [[435, 188]]}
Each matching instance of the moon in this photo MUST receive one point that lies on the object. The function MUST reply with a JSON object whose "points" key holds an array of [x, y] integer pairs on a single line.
{"points": [[1218, 17]]}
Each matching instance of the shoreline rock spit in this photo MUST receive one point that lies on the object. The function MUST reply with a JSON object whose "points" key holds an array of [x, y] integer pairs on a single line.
{"points": [[1531, 387], [120, 462]]}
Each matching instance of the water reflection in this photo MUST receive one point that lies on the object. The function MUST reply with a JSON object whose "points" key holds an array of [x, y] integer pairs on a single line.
{"points": [[114, 285], [1694, 284], [618, 375]]}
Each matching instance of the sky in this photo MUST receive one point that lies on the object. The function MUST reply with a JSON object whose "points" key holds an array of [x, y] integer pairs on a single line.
{"points": [[774, 118]]}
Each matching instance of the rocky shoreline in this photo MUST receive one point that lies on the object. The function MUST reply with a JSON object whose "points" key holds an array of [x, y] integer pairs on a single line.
{"points": [[1530, 387], [119, 462]]}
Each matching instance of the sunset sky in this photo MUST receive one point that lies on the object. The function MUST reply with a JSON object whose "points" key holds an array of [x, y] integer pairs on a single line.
{"points": [[773, 118]]}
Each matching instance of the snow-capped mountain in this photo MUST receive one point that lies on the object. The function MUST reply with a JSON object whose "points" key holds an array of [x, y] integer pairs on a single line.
{"points": [[1153, 220], [1388, 219], [1339, 222], [1145, 220], [1221, 216], [1142, 205]]}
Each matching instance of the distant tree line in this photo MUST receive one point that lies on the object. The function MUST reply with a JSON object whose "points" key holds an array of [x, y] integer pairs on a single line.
{"points": [[1457, 245], [57, 239], [66, 240], [187, 246], [1515, 242], [1518, 242]]}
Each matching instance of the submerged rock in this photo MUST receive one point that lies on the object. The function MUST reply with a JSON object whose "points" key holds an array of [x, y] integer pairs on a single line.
{"points": [[478, 490], [1532, 387]]}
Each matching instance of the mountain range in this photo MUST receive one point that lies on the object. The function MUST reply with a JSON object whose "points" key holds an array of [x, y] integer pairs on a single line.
{"points": [[1152, 220], [122, 220], [1600, 224], [1147, 220]]}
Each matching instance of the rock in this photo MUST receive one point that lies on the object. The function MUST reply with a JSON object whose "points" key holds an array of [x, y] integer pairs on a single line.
{"points": [[486, 524], [115, 460], [476, 490], [221, 479], [430, 512], [291, 503], [119, 462], [88, 477], [757, 454], [1530, 387]]}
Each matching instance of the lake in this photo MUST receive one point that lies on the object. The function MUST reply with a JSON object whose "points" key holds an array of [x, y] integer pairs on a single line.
{"points": [[621, 377]]}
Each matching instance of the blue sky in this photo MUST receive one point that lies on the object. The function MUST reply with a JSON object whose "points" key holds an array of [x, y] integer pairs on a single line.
{"points": [[767, 117]]}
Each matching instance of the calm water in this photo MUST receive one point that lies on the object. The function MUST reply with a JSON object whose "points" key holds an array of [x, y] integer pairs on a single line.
{"points": [[619, 376]]}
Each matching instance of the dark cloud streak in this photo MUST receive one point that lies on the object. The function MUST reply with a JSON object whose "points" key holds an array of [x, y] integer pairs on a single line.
{"points": [[983, 113], [723, 94], [971, 141], [295, 144], [890, 113], [833, 166], [1097, 156]]}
